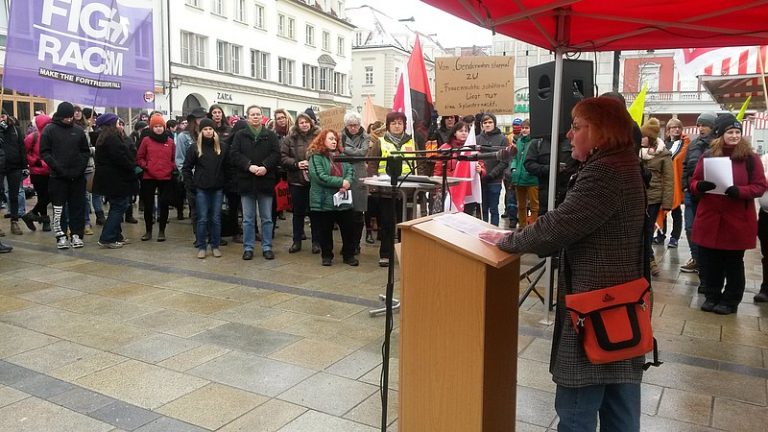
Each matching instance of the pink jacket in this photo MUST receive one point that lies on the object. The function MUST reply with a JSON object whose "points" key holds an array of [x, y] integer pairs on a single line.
{"points": [[37, 165]]}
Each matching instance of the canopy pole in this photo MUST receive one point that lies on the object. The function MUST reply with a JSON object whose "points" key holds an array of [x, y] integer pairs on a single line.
{"points": [[554, 152], [762, 62]]}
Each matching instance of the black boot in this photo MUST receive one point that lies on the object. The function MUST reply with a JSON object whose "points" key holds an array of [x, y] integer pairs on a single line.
{"points": [[129, 215], [161, 233], [100, 218], [46, 223], [29, 220], [762, 296]]}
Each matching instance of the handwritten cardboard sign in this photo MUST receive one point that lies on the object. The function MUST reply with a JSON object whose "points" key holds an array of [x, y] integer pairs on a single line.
{"points": [[333, 118], [469, 85]]}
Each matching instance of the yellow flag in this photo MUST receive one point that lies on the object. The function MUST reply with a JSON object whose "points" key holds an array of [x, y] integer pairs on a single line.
{"points": [[638, 105], [743, 110]]}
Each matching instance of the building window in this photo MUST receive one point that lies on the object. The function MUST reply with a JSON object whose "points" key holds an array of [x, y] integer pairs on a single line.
{"points": [[291, 28], [281, 25], [339, 81], [326, 41], [285, 69], [310, 35], [309, 80], [369, 75], [218, 7], [195, 3], [193, 49], [240, 11], [359, 38], [649, 74], [340, 46], [228, 57], [259, 65], [260, 23], [286, 27], [397, 76], [326, 79]]}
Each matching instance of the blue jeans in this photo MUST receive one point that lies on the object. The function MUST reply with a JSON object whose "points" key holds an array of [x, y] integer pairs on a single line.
{"points": [[249, 201], [208, 203], [690, 214], [491, 193], [618, 406], [112, 230], [510, 205]]}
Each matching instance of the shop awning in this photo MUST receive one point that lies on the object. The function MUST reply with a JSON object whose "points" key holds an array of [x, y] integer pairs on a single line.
{"points": [[731, 91]]}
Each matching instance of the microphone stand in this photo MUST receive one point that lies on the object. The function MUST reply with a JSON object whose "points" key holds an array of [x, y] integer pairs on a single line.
{"points": [[394, 170]]}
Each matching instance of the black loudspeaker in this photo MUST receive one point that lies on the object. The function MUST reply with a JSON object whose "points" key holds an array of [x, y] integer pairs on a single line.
{"points": [[578, 83]]}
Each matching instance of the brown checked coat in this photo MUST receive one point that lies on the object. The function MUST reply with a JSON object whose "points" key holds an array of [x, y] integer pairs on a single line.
{"points": [[598, 232]]}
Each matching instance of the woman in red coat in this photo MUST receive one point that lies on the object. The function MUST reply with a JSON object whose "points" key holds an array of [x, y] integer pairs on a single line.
{"points": [[156, 157], [726, 224]]}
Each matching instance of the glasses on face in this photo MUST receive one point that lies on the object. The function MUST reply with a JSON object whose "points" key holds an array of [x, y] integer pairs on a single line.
{"points": [[352, 125]]}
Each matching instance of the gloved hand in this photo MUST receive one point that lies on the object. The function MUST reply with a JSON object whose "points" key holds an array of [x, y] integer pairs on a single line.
{"points": [[732, 192], [705, 186], [24, 173]]}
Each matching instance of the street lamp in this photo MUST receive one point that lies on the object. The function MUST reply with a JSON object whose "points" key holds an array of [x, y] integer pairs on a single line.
{"points": [[174, 83]]}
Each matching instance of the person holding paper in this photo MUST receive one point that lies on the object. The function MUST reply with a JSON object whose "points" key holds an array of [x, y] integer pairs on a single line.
{"points": [[726, 225], [605, 202], [327, 179]]}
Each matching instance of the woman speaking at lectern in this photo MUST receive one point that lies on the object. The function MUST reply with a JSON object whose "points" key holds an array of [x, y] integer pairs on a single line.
{"points": [[598, 231]]}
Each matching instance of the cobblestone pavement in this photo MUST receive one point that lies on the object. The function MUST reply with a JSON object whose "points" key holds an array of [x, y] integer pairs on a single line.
{"points": [[150, 338]]}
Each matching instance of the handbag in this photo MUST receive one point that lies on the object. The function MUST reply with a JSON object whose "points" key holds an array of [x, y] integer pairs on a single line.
{"points": [[282, 196], [614, 323]]}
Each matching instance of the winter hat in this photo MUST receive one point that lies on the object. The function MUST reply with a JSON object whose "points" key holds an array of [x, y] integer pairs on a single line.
{"points": [[707, 118], [197, 113], [206, 122], [140, 125], [65, 110], [106, 119], [87, 113], [311, 113], [517, 125], [724, 123], [651, 129], [156, 120]]}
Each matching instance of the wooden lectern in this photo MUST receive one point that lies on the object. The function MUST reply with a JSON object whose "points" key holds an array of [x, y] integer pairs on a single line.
{"points": [[458, 323]]}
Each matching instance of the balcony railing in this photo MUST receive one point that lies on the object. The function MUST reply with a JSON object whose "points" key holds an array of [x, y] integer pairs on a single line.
{"points": [[681, 96]]}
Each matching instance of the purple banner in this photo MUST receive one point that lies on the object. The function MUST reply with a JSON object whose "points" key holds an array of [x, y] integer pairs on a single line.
{"points": [[91, 52]]}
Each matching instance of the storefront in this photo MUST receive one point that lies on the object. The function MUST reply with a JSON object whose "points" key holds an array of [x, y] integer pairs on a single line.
{"points": [[24, 106]]}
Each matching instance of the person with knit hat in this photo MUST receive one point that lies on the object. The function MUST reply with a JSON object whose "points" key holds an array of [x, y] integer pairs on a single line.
{"points": [[657, 160], [64, 148], [12, 142], [256, 155], [38, 175], [184, 141], [204, 170], [706, 124], [726, 223], [156, 157]]}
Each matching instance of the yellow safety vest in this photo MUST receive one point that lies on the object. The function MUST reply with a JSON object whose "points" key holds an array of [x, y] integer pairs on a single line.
{"points": [[387, 147]]}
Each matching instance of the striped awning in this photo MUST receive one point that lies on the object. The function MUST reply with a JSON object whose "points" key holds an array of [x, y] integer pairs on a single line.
{"points": [[731, 91]]}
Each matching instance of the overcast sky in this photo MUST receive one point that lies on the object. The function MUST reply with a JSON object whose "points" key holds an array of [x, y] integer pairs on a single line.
{"points": [[451, 31]]}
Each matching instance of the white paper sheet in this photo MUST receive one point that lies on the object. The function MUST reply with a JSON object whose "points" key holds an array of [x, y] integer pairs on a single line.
{"points": [[466, 224], [719, 171]]}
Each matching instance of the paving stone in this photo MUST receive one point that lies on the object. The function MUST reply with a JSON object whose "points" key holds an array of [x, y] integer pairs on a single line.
{"points": [[212, 406], [247, 338], [9, 395], [82, 400], [10, 374], [36, 415], [356, 364], [313, 421], [311, 353], [165, 424], [156, 348], [534, 406], [15, 340], [369, 411], [124, 415], [53, 356], [738, 416], [252, 373], [269, 417], [43, 386], [329, 393]]}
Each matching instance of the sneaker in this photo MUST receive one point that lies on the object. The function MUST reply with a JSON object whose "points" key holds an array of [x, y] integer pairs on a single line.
{"points": [[15, 228], [6, 249], [327, 262], [383, 262], [113, 245], [708, 306], [77, 242], [216, 253], [88, 230], [62, 243], [655, 270], [672, 243], [690, 267], [201, 253]]}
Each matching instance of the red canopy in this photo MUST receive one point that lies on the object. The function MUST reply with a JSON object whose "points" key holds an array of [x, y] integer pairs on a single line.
{"points": [[610, 25]]}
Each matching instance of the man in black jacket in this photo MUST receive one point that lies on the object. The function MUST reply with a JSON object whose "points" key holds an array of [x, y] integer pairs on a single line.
{"points": [[12, 143], [256, 154], [64, 147], [706, 124]]}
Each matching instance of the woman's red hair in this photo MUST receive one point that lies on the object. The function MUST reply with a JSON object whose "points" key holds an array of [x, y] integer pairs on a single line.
{"points": [[318, 144], [609, 121]]}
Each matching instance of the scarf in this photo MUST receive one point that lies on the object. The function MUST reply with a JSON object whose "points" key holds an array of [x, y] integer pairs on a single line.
{"points": [[337, 169], [648, 153], [397, 141], [254, 130]]}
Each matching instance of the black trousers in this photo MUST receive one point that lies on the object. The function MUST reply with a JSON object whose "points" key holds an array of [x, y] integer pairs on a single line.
{"points": [[70, 192], [233, 202], [40, 183], [724, 273], [677, 223], [164, 190], [325, 221], [14, 183], [387, 223]]}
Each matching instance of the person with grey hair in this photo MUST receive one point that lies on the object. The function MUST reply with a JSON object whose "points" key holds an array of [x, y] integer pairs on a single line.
{"points": [[355, 142]]}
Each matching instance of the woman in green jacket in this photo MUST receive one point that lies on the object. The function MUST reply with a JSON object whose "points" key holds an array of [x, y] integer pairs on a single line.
{"points": [[526, 185], [327, 178]]}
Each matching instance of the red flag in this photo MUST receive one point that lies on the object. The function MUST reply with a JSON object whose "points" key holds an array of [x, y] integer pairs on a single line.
{"points": [[416, 103], [465, 192]]}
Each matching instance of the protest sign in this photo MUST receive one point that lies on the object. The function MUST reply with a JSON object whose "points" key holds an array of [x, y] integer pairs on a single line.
{"points": [[333, 118], [468, 85]]}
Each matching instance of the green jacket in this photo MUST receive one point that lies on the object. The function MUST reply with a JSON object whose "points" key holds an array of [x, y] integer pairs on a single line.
{"points": [[323, 185], [519, 175]]}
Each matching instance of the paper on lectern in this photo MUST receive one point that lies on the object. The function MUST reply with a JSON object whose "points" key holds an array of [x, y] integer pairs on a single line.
{"points": [[466, 224]]}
